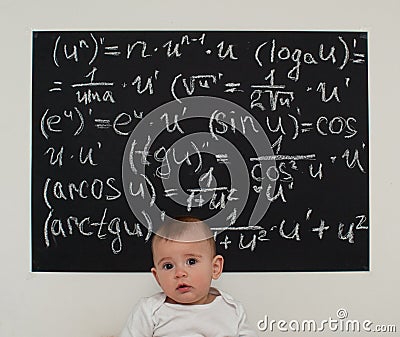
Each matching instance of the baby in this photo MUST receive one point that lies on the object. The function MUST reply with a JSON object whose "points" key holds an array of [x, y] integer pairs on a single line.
{"points": [[185, 263]]}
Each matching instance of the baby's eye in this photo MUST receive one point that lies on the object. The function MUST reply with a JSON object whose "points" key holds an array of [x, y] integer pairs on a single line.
{"points": [[191, 261], [167, 266]]}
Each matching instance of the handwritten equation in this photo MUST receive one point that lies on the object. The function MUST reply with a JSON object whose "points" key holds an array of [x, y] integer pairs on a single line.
{"points": [[125, 134]]}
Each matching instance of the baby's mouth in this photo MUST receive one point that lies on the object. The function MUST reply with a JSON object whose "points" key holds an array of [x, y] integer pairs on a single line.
{"points": [[183, 287]]}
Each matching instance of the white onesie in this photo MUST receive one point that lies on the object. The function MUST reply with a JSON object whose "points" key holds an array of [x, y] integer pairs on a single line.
{"points": [[152, 316]]}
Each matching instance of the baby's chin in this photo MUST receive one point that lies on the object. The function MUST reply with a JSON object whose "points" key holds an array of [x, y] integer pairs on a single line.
{"points": [[175, 300], [187, 300]]}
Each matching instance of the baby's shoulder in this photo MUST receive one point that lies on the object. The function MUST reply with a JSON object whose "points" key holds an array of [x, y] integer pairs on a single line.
{"points": [[230, 300], [150, 304]]}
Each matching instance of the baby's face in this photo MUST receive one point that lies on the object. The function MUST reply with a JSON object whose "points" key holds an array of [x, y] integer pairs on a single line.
{"points": [[184, 270]]}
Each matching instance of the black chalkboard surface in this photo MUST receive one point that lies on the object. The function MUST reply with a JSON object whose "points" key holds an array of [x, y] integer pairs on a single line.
{"points": [[262, 134]]}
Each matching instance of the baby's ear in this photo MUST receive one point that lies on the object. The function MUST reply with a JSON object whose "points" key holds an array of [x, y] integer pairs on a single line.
{"points": [[218, 266], [154, 272]]}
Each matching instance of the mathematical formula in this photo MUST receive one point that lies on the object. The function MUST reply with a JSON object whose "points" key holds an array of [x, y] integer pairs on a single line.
{"points": [[280, 155]]}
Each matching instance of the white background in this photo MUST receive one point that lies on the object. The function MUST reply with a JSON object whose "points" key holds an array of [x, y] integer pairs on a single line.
{"points": [[94, 305]]}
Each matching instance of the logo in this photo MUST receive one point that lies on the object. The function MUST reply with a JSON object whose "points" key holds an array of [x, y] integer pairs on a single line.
{"points": [[202, 156]]}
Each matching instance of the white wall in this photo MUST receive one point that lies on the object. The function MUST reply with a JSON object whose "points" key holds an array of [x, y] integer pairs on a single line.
{"points": [[90, 305]]}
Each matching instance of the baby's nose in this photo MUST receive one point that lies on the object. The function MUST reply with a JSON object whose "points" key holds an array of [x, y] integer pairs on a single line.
{"points": [[180, 272]]}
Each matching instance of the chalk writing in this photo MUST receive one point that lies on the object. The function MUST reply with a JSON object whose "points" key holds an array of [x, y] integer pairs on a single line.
{"points": [[285, 165]]}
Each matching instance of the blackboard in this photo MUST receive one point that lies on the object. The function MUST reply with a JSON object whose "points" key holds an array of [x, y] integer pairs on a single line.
{"points": [[262, 134]]}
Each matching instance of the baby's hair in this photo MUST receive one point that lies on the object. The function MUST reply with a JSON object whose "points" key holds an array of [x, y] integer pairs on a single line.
{"points": [[178, 228]]}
